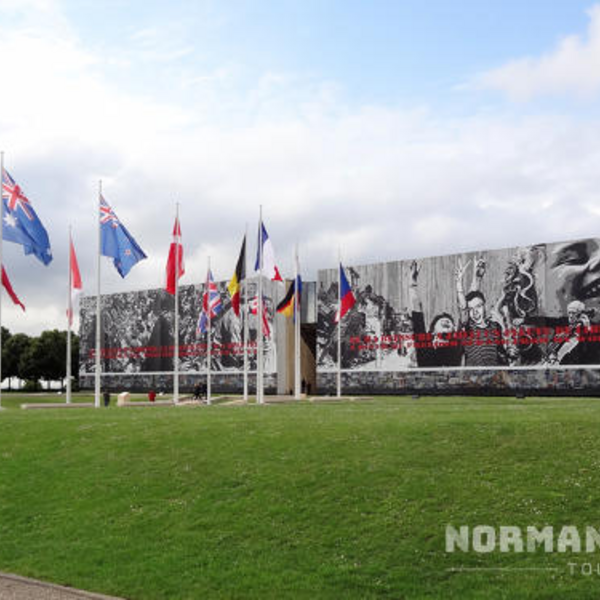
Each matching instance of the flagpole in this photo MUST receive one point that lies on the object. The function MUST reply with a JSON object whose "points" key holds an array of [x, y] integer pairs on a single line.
{"points": [[176, 336], [69, 321], [208, 335], [1, 259], [245, 317], [297, 318], [259, 314], [339, 327], [98, 311]]}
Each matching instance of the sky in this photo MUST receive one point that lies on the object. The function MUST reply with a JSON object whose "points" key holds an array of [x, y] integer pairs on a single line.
{"points": [[382, 129]]}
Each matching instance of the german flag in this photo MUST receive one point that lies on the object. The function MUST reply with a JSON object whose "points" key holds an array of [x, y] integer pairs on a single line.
{"points": [[236, 280], [286, 306]]}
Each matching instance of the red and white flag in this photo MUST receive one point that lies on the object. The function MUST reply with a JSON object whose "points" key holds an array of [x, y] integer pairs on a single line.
{"points": [[8, 287], [175, 266], [75, 285], [265, 315]]}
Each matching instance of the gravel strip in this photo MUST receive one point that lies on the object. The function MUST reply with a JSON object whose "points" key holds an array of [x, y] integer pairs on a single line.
{"points": [[15, 587]]}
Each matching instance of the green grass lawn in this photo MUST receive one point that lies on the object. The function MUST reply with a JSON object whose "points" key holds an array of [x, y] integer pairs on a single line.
{"points": [[308, 500]]}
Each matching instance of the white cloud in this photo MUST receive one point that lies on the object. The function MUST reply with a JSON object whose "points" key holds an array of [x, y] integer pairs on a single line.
{"points": [[382, 183], [572, 68]]}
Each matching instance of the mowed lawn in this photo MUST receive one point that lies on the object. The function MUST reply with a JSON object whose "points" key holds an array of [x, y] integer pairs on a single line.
{"points": [[307, 500]]}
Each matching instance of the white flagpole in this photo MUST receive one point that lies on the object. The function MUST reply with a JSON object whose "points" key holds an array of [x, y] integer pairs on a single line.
{"points": [[339, 327], [176, 335], [208, 336], [1, 263], [69, 320], [245, 317], [259, 314], [98, 310], [297, 318]]}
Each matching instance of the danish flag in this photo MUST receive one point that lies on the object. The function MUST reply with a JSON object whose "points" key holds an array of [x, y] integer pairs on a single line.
{"points": [[265, 315], [175, 264]]}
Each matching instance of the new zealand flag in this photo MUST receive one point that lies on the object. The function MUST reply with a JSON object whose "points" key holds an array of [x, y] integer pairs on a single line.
{"points": [[116, 241]]}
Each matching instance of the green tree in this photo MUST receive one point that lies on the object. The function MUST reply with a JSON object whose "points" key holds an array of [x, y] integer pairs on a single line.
{"points": [[29, 366], [50, 352], [43, 357], [12, 351], [5, 338]]}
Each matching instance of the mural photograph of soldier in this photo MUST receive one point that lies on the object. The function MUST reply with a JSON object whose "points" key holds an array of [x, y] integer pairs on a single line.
{"points": [[372, 306], [374, 334], [326, 346], [353, 327], [228, 337], [161, 339], [402, 329]]}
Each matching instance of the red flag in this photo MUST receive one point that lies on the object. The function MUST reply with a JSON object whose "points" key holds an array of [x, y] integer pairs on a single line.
{"points": [[175, 268], [265, 316], [8, 287], [75, 280]]}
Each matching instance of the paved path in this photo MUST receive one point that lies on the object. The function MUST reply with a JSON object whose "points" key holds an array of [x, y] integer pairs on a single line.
{"points": [[14, 587]]}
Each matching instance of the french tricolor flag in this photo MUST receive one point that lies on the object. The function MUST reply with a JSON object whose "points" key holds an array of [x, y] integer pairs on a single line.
{"points": [[269, 268], [347, 298]]}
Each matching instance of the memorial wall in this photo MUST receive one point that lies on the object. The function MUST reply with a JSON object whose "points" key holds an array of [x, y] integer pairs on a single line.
{"points": [[515, 319], [137, 339], [523, 319]]}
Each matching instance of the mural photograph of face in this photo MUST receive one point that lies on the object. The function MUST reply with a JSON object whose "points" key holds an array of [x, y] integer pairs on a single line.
{"points": [[443, 325], [576, 266], [574, 312], [476, 308]]}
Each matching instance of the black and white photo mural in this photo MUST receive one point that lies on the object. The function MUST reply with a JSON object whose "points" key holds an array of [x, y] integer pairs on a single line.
{"points": [[138, 333], [517, 309]]}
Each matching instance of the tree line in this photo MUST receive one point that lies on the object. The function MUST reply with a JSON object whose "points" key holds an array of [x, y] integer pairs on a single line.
{"points": [[40, 358]]}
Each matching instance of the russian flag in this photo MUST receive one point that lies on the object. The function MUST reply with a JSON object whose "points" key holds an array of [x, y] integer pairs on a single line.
{"points": [[347, 298]]}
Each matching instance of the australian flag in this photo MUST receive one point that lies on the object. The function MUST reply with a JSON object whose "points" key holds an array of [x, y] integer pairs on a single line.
{"points": [[211, 304], [116, 241], [21, 224]]}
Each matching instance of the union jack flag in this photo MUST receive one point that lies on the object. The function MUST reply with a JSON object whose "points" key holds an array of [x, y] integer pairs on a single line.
{"points": [[14, 196], [211, 304], [107, 214]]}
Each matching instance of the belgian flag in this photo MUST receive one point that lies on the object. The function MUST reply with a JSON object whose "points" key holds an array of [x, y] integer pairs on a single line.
{"points": [[236, 281], [286, 306]]}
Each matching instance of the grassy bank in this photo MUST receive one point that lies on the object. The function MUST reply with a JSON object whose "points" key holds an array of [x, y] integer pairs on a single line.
{"points": [[328, 500]]}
